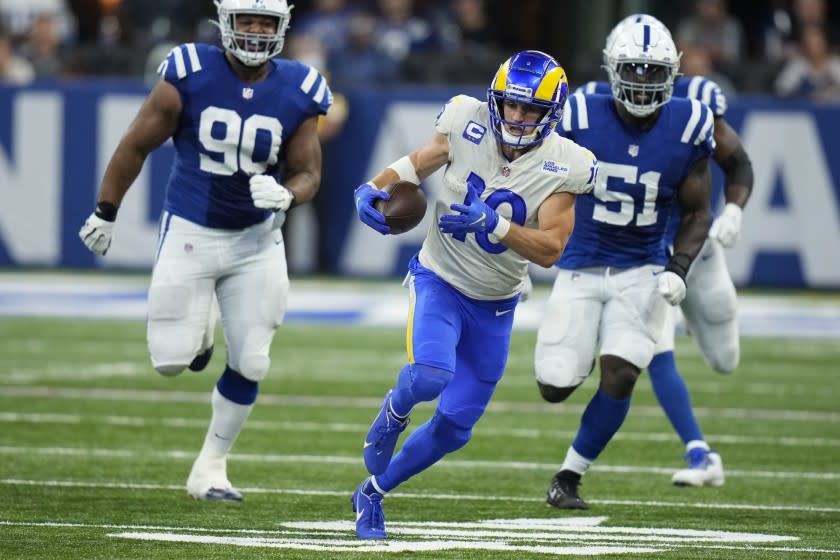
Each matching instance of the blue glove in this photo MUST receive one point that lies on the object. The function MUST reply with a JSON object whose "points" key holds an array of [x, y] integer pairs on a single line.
{"points": [[474, 216], [365, 195]]}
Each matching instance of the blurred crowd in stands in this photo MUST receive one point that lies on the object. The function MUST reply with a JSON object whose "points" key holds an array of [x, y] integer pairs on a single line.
{"points": [[784, 47]]}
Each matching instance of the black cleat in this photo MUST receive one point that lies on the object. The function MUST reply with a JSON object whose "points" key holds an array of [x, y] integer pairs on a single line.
{"points": [[200, 362], [563, 491]]}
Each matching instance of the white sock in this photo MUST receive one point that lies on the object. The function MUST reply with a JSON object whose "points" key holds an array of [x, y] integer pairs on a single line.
{"points": [[225, 425], [697, 443], [576, 462]]}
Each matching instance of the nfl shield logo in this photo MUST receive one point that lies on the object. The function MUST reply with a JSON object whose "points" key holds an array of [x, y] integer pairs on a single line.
{"points": [[247, 93], [633, 150], [505, 171]]}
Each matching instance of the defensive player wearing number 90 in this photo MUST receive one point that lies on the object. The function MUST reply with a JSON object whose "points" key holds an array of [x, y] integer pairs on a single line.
{"points": [[508, 199], [228, 111]]}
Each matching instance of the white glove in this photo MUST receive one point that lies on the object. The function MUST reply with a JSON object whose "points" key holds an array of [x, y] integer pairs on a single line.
{"points": [[727, 227], [96, 234], [268, 194], [671, 287]]}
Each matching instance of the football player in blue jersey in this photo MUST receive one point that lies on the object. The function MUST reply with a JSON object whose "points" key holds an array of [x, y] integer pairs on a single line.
{"points": [[617, 276], [510, 187], [233, 113], [710, 304]]}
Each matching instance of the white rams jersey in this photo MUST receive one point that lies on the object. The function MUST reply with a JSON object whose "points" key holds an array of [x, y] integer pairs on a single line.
{"points": [[477, 264]]}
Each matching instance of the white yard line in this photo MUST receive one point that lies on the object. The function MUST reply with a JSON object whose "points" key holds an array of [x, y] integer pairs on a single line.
{"points": [[344, 427], [348, 460], [344, 402], [415, 496]]}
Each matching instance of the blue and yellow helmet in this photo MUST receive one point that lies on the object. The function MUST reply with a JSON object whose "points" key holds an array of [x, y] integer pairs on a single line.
{"points": [[530, 77]]}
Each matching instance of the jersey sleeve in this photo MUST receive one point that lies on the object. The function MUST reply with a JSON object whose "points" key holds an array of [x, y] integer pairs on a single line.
{"points": [[708, 93], [583, 171], [181, 62], [699, 131], [451, 115], [314, 87]]}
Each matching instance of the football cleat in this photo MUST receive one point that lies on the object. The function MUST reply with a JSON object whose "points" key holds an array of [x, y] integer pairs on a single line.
{"points": [[208, 481], [370, 519], [563, 491], [201, 360], [382, 437], [705, 468]]}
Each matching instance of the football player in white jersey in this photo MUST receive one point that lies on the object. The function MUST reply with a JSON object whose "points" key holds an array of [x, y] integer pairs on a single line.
{"points": [[228, 111], [710, 304], [617, 274], [510, 185]]}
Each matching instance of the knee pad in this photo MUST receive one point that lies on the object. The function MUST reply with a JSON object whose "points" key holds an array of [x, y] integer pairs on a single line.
{"points": [[560, 367], [720, 306], [425, 382], [448, 435], [254, 367], [170, 370]]}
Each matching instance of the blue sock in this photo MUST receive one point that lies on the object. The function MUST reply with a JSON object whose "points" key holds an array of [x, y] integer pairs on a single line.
{"points": [[427, 445], [236, 388], [673, 397], [601, 420]]}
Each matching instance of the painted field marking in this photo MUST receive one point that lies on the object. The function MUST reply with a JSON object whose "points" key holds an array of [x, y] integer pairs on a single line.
{"points": [[346, 427], [355, 460], [347, 402], [411, 495]]}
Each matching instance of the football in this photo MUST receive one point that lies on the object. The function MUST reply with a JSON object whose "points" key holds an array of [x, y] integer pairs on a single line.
{"points": [[406, 207]]}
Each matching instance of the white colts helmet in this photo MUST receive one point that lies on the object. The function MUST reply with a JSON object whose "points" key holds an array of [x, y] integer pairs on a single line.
{"points": [[252, 49], [628, 21], [642, 63]]}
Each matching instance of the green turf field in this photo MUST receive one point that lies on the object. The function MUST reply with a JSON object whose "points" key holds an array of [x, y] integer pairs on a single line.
{"points": [[95, 448]]}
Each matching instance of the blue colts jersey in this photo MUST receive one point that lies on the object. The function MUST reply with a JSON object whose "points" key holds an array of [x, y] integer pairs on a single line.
{"points": [[230, 130], [622, 223]]}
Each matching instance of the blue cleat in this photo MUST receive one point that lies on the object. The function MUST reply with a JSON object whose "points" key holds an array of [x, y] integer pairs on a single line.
{"points": [[382, 437], [370, 519]]}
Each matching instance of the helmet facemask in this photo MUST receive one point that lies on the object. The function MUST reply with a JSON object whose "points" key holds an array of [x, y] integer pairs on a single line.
{"points": [[252, 49], [642, 63]]}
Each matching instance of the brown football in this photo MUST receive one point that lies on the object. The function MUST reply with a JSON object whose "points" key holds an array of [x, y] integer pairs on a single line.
{"points": [[406, 207]]}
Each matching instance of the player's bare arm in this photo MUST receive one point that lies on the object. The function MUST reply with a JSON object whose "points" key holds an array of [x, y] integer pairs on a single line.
{"points": [[694, 199], [156, 122], [735, 163], [545, 245], [425, 160], [303, 161]]}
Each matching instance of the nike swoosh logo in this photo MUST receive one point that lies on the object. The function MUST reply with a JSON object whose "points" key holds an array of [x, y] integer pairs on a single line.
{"points": [[500, 312], [481, 219], [220, 437], [657, 272], [368, 444], [359, 515]]}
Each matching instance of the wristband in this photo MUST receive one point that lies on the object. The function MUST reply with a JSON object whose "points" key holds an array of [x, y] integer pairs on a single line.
{"points": [[405, 170], [679, 265], [502, 228], [106, 211]]}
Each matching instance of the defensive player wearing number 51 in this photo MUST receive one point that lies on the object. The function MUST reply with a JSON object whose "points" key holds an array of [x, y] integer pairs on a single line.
{"points": [[616, 279], [508, 199], [229, 112]]}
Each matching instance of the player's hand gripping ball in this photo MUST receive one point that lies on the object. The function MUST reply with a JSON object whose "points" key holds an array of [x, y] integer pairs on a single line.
{"points": [[404, 209]]}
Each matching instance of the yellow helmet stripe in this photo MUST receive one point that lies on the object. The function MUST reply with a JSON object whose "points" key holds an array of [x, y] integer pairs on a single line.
{"points": [[550, 83], [502, 76]]}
